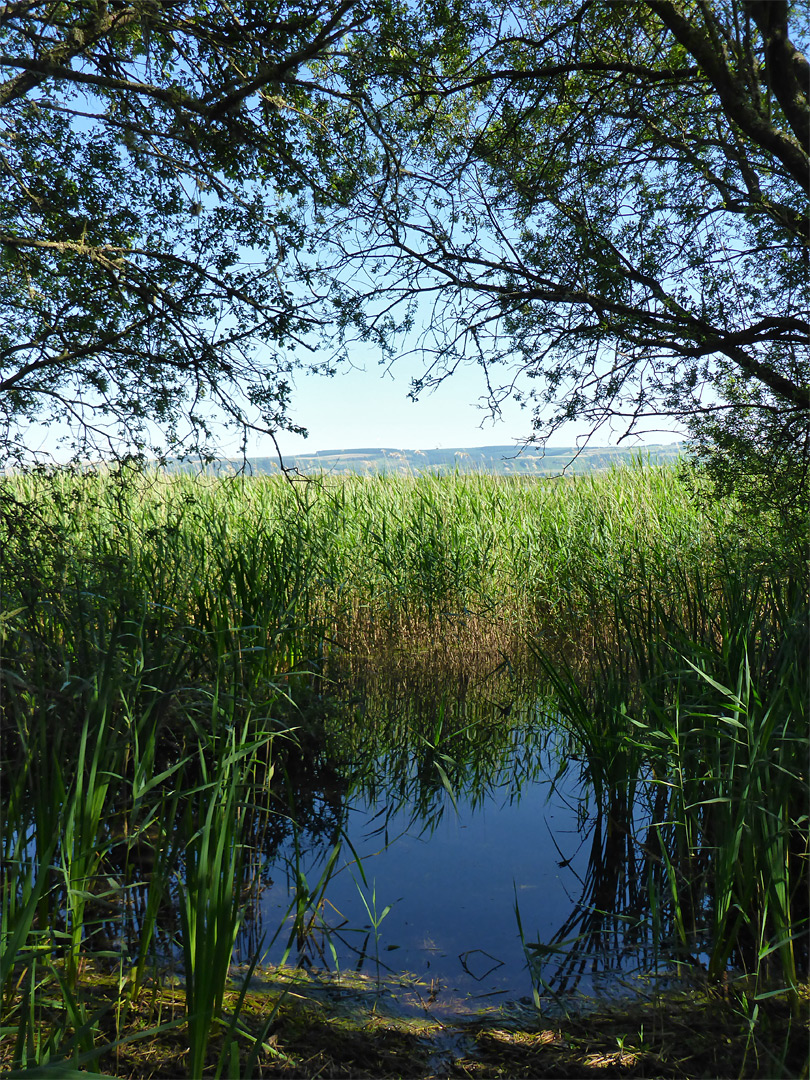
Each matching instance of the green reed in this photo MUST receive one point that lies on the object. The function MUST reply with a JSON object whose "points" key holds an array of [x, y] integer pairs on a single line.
{"points": [[212, 884], [700, 692], [133, 652], [355, 562], [156, 632]]}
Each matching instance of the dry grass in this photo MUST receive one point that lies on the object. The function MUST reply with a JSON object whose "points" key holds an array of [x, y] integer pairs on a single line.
{"points": [[347, 1031]]}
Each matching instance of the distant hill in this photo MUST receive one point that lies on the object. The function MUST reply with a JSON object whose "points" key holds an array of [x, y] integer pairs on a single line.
{"points": [[500, 460]]}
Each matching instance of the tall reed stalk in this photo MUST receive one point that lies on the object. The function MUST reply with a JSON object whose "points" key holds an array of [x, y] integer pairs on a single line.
{"points": [[213, 881], [156, 632]]}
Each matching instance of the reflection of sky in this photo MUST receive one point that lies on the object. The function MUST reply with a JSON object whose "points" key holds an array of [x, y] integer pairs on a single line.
{"points": [[452, 893]]}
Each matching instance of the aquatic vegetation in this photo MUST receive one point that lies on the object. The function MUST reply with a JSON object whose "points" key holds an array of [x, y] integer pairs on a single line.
{"points": [[707, 716], [183, 664]]}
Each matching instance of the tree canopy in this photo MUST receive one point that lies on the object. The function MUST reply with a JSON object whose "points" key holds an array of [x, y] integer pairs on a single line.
{"points": [[612, 194], [151, 156], [603, 204]]}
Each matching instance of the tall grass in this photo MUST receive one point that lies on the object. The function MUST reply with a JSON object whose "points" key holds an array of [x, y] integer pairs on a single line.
{"points": [[698, 695], [159, 637], [458, 564], [137, 711]]}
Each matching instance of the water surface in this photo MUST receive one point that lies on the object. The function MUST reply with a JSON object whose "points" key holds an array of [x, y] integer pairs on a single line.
{"points": [[487, 867]]}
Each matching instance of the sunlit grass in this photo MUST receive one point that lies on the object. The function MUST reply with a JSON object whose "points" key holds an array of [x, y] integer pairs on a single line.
{"points": [[156, 633]]}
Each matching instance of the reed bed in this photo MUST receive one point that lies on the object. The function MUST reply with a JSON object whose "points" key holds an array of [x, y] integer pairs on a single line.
{"points": [[462, 566], [165, 640]]}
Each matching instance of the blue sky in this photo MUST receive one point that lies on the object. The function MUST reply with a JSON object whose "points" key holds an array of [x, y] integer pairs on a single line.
{"points": [[370, 407]]}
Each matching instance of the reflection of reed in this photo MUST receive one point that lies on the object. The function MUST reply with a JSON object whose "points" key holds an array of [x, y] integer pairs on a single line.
{"points": [[416, 745], [593, 939], [412, 751], [647, 899], [611, 929]]}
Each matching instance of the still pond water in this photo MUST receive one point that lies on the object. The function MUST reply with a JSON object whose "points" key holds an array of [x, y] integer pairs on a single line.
{"points": [[462, 827]]}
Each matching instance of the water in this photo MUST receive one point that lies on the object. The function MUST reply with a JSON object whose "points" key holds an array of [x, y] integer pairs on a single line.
{"points": [[468, 866]]}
